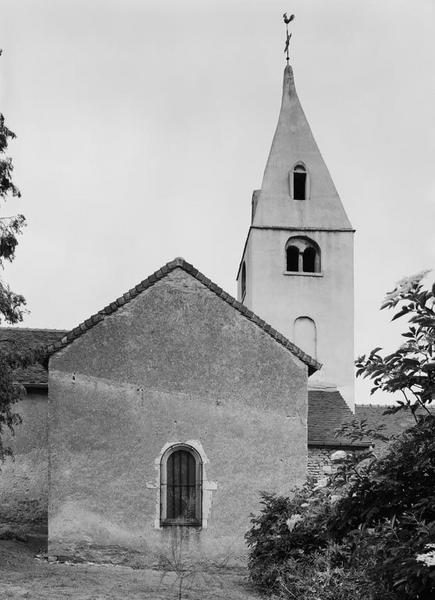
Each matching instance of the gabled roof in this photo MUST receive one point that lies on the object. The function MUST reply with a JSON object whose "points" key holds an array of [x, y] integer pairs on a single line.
{"points": [[21, 339], [180, 263], [327, 411]]}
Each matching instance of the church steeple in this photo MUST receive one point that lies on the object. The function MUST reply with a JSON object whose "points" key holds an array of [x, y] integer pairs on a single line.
{"points": [[294, 147], [296, 270]]}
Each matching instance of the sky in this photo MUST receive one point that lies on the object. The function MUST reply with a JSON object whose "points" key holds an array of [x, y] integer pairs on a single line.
{"points": [[144, 126]]}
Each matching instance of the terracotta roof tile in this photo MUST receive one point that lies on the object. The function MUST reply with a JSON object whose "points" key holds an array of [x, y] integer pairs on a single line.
{"points": [[21, 339], [326, 412], [394, 423]]}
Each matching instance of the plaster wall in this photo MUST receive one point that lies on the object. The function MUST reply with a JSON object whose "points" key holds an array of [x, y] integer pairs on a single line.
{"points": [[323, 209], [24, 479], [176, 364], [327, 297]]}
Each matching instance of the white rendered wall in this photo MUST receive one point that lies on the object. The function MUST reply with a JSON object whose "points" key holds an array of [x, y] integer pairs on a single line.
{"points": [[327, 297]]}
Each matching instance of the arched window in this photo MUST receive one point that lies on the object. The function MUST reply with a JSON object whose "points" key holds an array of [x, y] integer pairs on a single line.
{"points": [[243, 282], [181, 486], [299, 183], [305, 335], [292, 256], [309, 260], [302, 255]]}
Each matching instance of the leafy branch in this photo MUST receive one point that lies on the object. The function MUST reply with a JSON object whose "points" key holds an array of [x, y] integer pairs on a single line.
{"points": [[11, 304], [411, 368]]}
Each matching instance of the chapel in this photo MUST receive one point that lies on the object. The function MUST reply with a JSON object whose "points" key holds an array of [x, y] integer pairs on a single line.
{"points": [[171, 408]]}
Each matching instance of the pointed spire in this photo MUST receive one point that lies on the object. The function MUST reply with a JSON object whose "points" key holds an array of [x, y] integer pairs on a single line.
{"points": [[293, 144]]}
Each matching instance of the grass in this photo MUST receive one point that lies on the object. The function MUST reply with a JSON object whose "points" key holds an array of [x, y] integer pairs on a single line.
{"points": [[24, 576]]}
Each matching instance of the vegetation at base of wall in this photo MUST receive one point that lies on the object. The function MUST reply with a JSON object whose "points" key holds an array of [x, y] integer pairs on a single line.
{"points": [[11, 304], [360, 535], [369, 531]]}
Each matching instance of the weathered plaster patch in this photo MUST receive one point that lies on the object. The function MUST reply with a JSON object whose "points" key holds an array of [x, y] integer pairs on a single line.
{"points": [[73, 519], [207, 486]]}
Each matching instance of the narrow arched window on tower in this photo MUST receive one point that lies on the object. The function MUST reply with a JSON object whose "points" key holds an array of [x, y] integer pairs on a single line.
{"points": [[243, 281], [305, 335], [292, 254], [299, 183]]}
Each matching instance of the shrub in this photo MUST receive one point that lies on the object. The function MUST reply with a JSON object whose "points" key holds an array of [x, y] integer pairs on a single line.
{"points": [[401, 481], [390, 511], [318, 576], [361, 535], [366, 534], [280, 532]]}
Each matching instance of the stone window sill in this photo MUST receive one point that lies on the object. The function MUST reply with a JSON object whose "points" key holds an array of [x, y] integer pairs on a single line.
{"points": [[302, 274]]}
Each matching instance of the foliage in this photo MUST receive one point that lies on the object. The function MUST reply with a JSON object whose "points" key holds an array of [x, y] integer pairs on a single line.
{"points": [[277, 534], [11, 303], [319, 576], [9, 393], [359, 535], [411, 368], [370, 531], [400, 481]]}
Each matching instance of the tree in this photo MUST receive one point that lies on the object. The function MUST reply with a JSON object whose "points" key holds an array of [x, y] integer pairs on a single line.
{"points": [[11, 304], [410, 369], [369, 532]]}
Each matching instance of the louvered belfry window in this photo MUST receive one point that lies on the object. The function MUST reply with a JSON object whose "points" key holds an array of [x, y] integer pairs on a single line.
{"points": [[181, 487]]}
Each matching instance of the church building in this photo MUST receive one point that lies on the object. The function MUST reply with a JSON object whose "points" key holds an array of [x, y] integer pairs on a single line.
{"points": [[171, 408]]}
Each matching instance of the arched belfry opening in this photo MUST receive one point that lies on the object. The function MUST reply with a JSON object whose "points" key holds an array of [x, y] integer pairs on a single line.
{"points": [[292, 256], [299, 182], [309, 256], [302, 255]]}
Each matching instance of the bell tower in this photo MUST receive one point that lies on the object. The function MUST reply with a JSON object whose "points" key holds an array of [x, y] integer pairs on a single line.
{"points": [[297, 266]]}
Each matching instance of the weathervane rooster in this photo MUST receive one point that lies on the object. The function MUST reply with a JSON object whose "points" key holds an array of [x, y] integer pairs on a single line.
{"points": [[287, 20]]}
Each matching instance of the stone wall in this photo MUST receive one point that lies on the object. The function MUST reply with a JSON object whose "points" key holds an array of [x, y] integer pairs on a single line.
{"points": [[319, 462], [24, 479]]}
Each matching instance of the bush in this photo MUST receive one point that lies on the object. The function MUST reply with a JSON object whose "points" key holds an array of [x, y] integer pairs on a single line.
{"points": [[401, 481], [318, 576], [361, 535], [280, 532], [390, 508], [370, 532]]}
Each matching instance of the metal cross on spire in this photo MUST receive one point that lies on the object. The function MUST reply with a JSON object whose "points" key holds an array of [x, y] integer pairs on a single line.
{"points": [[288, 35]]}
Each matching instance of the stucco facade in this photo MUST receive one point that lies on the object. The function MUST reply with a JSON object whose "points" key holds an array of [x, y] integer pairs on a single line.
{"points": [[326, 297], [24, 479], [176, 364]]}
